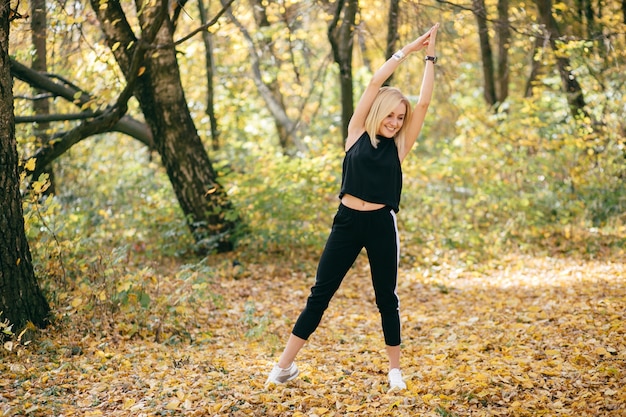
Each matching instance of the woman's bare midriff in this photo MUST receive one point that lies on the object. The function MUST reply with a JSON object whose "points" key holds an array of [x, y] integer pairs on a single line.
{"points": [[356, 203]]}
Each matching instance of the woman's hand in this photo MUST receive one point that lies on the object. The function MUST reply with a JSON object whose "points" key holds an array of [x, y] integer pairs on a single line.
{"points": [[427, 40], [430, 47]]}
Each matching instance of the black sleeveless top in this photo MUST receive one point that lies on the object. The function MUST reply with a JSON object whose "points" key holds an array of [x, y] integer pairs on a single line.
{"points": [[373, 174]]}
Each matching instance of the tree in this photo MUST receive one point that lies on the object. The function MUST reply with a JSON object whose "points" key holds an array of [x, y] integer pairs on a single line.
{"points": [[504, 36], [392, 31], [208, 55], [341, 37], [552, 33], [41, 105], [162, 100], [21, 300], [152, 75], [263, 55], [489, 87]]}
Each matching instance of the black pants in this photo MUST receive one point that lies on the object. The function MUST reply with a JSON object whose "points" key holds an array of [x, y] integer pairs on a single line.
{"points": [[352, 230]]}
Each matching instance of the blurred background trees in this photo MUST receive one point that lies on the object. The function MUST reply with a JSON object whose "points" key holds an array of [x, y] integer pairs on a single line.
{"points": [[233, 117]]}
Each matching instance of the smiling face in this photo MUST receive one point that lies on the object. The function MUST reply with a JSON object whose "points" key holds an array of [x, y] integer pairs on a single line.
{"points": [[392, 123]]}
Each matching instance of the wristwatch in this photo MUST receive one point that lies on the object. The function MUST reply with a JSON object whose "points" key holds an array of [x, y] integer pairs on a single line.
{"points": [[430, 58]]}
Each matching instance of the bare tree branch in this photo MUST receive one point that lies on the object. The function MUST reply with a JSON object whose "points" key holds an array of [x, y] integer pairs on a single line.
{"points": [[68, 91], [225, 6]]}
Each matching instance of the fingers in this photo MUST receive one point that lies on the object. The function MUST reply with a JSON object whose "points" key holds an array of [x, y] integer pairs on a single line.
{"points": [[432, 33], [433, 30], [425, 39]]}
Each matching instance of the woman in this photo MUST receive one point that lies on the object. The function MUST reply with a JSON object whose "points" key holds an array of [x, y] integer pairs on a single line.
{"points": [[381, 132]]}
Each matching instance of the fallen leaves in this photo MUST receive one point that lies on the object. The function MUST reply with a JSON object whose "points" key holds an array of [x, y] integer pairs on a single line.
{"points": [[534, 336]]}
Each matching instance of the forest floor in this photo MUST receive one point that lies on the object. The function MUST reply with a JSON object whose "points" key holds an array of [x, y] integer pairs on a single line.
{"points": [[531, 336]]}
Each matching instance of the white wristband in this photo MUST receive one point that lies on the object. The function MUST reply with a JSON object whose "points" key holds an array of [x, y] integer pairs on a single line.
{"points": [[398, 56]]}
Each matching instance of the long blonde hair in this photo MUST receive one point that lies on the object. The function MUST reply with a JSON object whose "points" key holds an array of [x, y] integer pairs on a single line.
{"points": [[385, 102]]}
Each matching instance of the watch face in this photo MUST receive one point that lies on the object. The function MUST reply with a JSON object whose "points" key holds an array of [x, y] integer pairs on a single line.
{"points": [[431, 58]]}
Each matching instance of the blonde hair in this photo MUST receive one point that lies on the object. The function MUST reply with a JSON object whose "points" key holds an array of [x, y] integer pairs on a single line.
{"points": [[385, 103]]}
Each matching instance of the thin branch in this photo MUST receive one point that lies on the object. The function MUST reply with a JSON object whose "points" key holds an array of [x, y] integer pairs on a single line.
{"points": [[44, 118], [213, 21], [68, 92]]}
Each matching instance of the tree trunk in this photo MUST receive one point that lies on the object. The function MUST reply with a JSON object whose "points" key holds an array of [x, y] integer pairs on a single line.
{"points": [[41, 105], [342, 41], [489, 88], [21, 300], [504, 37], [572, 88], [161, 98], [208, 56], [534, 68], [392, 32]]}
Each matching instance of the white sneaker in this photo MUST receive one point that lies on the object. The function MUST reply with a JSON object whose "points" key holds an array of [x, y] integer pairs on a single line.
{"points": [[395, 380], [279, 375]]}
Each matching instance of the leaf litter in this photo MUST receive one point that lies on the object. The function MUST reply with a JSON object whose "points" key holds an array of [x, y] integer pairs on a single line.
{"points": [[531, 336]]}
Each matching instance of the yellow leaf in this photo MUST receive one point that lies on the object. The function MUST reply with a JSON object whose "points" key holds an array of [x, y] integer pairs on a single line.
{"points": [[115, 46], [141, 71], [30, 164], [601, 351], [481, 377], [76, 302], [550, 372], [128, 403], [173, 404], [427, 397], [450, 385]]}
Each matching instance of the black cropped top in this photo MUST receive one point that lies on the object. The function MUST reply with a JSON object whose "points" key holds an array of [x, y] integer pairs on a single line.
{"points": [[373, 174]]}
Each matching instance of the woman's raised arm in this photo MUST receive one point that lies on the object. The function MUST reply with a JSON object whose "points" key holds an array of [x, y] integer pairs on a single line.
{"points": [[426, 92], [356, 127]]}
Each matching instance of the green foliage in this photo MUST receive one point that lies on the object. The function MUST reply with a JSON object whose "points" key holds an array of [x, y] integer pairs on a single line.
{"points": [[256, 326], [115, 210], [111, 192], [512, 177], [286, 201]]}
